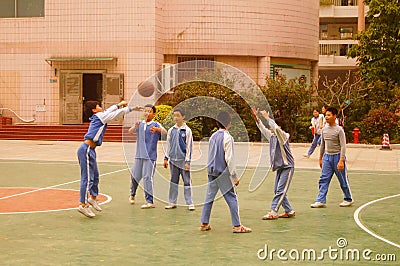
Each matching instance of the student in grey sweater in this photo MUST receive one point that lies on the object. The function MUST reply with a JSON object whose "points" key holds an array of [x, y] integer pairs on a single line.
{"points": [[332, 160]]}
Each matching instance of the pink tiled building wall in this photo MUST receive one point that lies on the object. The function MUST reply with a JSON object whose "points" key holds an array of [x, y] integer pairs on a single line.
{"points": [[134, 38]]}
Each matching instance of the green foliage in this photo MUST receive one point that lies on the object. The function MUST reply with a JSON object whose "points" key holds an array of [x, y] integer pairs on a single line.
{"points": [[378, 52], [377, 122], [197, 127], [164, 115], [383, 95], [202, 102], [292, 99]]}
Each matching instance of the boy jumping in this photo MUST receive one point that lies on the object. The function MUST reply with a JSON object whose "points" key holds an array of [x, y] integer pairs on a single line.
{"points": [[87, 153]]}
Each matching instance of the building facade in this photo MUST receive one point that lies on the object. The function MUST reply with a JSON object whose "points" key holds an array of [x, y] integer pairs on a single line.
{"points": [[340, 21], [56, 54]]}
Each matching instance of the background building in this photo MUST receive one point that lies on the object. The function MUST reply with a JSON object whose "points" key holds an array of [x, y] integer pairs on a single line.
{"points": [[55, 54], [339, 23]]}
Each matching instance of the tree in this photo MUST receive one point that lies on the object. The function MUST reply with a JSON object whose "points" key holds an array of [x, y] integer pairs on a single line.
{"points": [[378, 52], [342, 94], [289, 98]]}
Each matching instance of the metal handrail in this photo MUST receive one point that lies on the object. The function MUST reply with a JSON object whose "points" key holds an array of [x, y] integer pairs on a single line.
{"points": [[20, 118]]}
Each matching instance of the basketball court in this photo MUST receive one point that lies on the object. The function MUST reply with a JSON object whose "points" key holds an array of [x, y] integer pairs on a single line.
{"points": [[41, 226]]}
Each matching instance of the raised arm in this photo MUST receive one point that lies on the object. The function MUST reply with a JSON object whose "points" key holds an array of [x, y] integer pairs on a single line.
{"points": [[114, 111], [264, 131]]}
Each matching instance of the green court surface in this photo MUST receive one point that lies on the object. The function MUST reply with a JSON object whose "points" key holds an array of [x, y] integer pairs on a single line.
{"points": [[123, 234]]}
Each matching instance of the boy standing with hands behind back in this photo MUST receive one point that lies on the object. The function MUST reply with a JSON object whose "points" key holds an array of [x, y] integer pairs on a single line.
{"points": [[222, 175]]}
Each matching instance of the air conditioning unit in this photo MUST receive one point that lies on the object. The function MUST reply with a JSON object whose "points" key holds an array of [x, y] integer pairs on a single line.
{"points": [[168, 77]]}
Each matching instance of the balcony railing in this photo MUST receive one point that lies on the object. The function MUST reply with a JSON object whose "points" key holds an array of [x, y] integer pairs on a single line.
{"points": [[340, 2], [334, 53], [335, 47]]}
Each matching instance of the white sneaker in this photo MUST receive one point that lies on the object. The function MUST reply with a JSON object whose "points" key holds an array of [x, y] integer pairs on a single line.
{"points": [[318, 204], [346, 203], [132, 199], [94, 204], [191, 207], [170, 206], [86, 211], [306, 155], [147, 206]]}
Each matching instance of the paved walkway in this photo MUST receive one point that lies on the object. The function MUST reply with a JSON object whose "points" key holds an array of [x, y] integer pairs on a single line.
{"points": [[359, 156]]}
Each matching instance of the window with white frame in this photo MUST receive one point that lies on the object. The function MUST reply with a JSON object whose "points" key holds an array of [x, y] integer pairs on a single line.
{"points": [[194, 66], [21, 8]]}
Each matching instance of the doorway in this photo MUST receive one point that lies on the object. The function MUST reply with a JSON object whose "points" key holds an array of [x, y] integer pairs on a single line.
{"points": [[92, 90], [79, 86]]}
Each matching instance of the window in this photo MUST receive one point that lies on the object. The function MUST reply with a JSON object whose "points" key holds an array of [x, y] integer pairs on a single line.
{"points": [[21, 8], [346, 33], [323, 33], [195, 66]]}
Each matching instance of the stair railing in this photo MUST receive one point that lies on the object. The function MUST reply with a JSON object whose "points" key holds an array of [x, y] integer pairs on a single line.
{"points": [[19, 117]]}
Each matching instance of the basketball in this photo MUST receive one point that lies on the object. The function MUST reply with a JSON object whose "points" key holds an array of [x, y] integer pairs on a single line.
{"points": [[146, 89]]}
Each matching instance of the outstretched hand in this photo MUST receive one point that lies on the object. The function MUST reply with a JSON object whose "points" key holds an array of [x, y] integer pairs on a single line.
{"points": [[265, 114], [123, 104], [254, 112]]}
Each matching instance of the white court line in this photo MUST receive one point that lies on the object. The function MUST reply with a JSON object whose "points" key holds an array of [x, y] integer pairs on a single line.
{"points": [[109, 198], [358, 222], [59, 185]]}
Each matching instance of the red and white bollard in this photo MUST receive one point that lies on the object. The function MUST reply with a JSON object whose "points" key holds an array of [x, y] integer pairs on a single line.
{"points": [[385, 142]]}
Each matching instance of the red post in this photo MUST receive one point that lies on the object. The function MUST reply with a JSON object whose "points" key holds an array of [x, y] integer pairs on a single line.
{"points": [[356, 133]]}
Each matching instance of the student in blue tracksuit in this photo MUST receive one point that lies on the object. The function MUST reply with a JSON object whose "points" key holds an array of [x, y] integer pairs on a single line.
{"points": [[148, 133], [87, 153], [179, 152], [282, 162], [222, 175], [332, 159]]}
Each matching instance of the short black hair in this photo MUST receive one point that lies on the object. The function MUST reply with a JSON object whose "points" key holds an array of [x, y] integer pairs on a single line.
{"points": [[152, 107], [180, 110], [280, 122], [89, 106], [223, 119], [333, 110]]}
